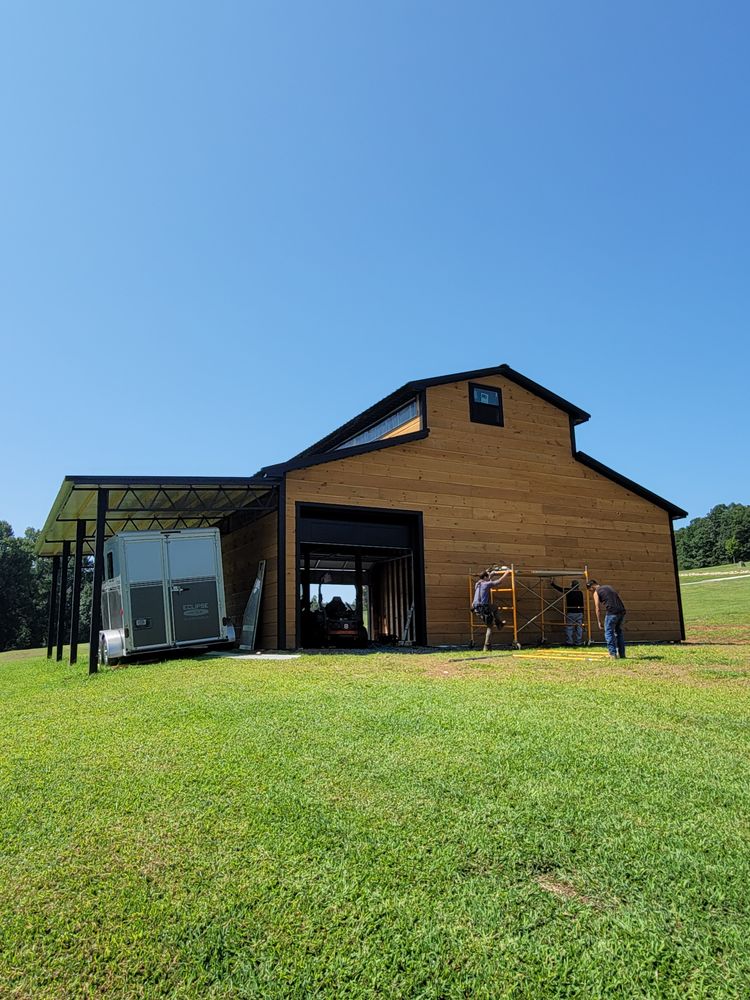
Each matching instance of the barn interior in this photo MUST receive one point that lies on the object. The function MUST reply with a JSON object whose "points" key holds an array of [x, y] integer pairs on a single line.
{"points": [[356, 597], [360, 577]]}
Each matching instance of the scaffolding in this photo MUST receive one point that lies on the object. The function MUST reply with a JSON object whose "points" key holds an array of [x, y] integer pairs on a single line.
{"points": [[539, 614]]}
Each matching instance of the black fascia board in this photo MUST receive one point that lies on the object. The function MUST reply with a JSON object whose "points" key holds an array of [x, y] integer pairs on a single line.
{"points": [[678, 588], [391, 402], [573, 445], [303, 461], [578, 415], [126, 481], [672, 509]]}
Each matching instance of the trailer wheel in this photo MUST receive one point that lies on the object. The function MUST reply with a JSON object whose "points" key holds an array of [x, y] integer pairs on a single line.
{"points": [[104, 658]]}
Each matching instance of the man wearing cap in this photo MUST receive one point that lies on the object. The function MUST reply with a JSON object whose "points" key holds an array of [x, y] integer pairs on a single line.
{"points": [[614, 615], [482, 603]]}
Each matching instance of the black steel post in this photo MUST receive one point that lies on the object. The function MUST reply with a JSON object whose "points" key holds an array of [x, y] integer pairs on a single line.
{"points": [[62, 600], [52, 605], [306, 584], [303, 631], [102, 501], [358, 586], [420, 589], [677, 579], [75, 607], [281, 577]]}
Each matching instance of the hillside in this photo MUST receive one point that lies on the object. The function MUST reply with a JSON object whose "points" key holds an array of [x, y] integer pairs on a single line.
{"points": [[716, 603]]}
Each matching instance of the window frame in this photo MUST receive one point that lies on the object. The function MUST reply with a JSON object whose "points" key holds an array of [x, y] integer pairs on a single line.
{"points": [[355, 442], [486, 413]]}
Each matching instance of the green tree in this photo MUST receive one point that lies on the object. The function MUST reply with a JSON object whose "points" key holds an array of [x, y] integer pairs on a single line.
{"points": [[703, 542], [25, 583], [732, 547], [19, 590]]}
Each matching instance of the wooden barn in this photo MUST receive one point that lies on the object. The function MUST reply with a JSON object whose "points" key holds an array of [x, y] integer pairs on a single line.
{"points": [[440, 479], [448, 475]]}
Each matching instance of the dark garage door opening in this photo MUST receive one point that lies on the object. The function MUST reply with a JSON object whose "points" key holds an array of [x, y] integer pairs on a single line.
{"points": [[360, 577]]}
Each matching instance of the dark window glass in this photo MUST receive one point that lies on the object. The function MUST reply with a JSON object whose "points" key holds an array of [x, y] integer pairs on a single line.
{"points": [[110, 566], [485, 404]]}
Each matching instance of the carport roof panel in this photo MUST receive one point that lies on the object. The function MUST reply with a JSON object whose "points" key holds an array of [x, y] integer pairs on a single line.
{"points": [[139, 503]]}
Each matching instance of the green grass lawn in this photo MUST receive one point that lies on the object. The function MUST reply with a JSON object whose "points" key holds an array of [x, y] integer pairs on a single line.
{"points": [[431, 826], [716, 611]]}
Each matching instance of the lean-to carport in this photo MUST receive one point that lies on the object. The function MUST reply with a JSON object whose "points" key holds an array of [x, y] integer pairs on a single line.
{"points": [[89, 509]]}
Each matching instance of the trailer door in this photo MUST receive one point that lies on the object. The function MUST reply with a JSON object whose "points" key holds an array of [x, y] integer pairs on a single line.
{"points": [[145, 573], [192, 562]]}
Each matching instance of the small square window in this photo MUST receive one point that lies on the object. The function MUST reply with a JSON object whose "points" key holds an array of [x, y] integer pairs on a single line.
{"points": [[485, 404]]}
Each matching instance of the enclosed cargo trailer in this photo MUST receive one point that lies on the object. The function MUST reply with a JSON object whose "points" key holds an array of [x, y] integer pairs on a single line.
{"points": [[162, 590]]}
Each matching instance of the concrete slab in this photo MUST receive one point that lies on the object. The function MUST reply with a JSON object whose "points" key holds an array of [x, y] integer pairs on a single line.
{"points": [[232, 655]]}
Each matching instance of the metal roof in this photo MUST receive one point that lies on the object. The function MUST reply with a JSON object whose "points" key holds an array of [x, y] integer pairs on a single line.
{"points": [[141, 503]]}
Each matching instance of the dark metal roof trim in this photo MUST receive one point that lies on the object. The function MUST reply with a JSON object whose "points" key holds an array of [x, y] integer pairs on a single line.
{"points": [[579, 416], [304, 462], [124, 482], [672, 509]]}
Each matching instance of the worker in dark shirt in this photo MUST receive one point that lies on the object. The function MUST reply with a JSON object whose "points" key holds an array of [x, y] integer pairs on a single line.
{"points": [[607, 599], [573, 612]]}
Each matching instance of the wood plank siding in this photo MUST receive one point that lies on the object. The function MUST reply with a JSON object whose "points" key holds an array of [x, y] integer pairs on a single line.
{"points": [[241, 551], [407, 428], [510, 494]]}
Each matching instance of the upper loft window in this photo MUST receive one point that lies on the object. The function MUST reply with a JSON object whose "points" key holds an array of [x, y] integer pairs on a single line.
{"points": [[403, 421], [485, 404]]}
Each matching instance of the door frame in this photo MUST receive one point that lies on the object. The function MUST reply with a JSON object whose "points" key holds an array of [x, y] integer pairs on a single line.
{"points": [[415, 520]]}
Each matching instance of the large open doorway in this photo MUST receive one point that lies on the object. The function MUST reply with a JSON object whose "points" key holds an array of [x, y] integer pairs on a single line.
{"points": [[360, 577]]}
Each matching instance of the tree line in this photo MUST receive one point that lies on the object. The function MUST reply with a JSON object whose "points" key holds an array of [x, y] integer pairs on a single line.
{"points": [[25, 581], [722, 536]]}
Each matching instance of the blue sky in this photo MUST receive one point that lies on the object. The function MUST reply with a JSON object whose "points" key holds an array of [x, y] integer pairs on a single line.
{"points": [[226, 228]]}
